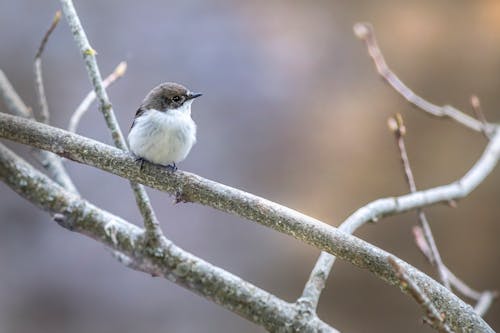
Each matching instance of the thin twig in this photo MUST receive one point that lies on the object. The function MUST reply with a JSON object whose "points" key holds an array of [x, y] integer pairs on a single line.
{"points": [[37, 67], [267, 213], [51, 162], [87, 101], [418, 236], [478, 111], [397, 126], [485, 302], [12, 100], [364, 31], [377, 209], [151, 223], [484, 299], [406, 282]]}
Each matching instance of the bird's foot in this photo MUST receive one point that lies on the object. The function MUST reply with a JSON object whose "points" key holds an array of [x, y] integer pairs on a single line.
{"points": [[140, 160], [172, 167]]}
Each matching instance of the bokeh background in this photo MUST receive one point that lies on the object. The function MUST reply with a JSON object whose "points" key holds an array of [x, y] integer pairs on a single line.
{"points": [[293, 111]]}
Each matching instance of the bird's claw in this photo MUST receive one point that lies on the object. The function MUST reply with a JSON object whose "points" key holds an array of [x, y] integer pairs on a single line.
{"points": [[172, 167], [141, 160]]}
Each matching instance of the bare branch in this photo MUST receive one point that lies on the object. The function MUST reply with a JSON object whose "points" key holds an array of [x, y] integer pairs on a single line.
{"points": [[485, 302], [87, 101], [418, 236], [37, 67], [45, 39], [436, 318], [197, 189], [386, 206], [484, 299], [478, 111], [398, 128], [167, 260], [52, 163], [364, 31], [153, 229], [12, 101]]}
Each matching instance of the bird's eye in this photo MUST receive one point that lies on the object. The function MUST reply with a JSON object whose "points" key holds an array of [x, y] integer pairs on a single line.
{"points": [[176, 99]]}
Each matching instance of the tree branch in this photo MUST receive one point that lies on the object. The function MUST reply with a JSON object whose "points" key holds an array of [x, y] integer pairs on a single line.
{"points": [[397, 126], [485, 301], [37, 68], [153, 229], [168, 260], [484, 298], [382, 207], [478, 111], [420, 297], [52, 163], [364, 31], [87, 101], [197, 189]]}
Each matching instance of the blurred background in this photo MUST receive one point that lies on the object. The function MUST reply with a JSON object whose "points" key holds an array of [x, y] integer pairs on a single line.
{"points": [[293, 111]]}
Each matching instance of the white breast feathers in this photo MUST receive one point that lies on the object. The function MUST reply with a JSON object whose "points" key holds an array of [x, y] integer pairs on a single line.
{"points": [[163, 137]]}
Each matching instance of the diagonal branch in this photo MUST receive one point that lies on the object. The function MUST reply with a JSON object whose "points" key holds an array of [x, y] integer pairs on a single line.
{"points": [[397, 126], [52, 163], [478, 111], [37, 68], [194, 188], [167, 261], [87, 101], [484, 298], [151, 223], [436, 319], [382, 207], [364, 31]]}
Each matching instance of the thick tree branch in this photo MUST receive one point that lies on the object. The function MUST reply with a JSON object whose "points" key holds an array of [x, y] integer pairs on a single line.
{"points": [[52, 163], [167, 260], [382, 207], [197, 189], [153, 229]]}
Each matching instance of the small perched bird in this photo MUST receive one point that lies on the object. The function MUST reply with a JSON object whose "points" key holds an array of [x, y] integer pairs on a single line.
{"points": [[163, 131]]}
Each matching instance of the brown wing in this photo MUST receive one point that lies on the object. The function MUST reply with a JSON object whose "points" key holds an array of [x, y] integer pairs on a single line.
{"points": [[139, 113]]}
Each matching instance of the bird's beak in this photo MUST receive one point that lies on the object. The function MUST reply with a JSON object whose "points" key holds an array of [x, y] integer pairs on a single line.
{"points": [[193, 95]]}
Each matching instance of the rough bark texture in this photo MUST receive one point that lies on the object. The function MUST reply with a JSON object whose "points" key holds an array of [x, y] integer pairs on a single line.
{"points": [[167, 260], [460, 316]]}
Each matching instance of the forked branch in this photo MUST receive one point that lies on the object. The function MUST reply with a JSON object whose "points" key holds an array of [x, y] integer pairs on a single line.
{"points": [[90, 98], [167, 260], [197, 189], [132, 245], [49, 161], [397, 126], [433, 316], [364, 31], [377, 209], [151, 223]]}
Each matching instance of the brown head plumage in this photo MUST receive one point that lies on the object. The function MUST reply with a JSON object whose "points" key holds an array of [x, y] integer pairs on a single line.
{"points": [[167, 96], [164, 97]]}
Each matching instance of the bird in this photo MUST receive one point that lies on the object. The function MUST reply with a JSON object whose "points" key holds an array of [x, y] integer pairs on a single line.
{"points": [[163, 131]]}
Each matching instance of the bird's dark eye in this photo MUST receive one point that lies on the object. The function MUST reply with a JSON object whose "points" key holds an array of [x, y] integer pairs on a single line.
{"points": [[176, 99]]}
